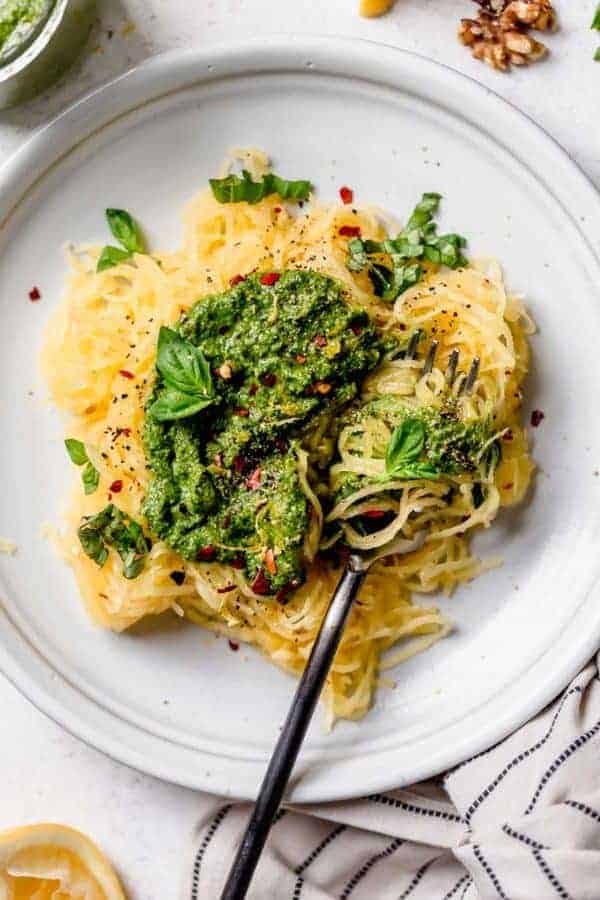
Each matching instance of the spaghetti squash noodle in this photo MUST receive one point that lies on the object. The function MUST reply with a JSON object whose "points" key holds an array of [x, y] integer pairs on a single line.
{"points": [[369, 447]]}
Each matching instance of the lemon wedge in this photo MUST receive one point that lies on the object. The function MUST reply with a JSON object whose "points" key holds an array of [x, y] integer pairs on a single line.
{"points": [[372, 8], [53, 862]]}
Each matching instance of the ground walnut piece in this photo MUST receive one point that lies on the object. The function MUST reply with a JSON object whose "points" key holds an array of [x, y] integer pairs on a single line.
{"points": [[500, 35]]}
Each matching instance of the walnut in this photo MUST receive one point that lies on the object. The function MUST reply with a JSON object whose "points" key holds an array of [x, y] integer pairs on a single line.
{"points": [[538, 14], [499, 36]]}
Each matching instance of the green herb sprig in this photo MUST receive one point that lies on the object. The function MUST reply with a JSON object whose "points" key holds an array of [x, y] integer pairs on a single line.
{"points": [[595, 26], [403, 458], [126, 230], [186, 375], [90, 476], [113, 528], [236, 189], [417, 241]]}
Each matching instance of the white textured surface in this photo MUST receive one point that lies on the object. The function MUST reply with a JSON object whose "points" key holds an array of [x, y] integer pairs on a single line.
{"points": [[143, 824]]}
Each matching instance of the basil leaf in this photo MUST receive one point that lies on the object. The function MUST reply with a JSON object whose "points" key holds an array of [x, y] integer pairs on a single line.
{"points": [[403, 277], [90, 477], [418, 470], [406, 445], [596, 20], [111, 256], [381, 279], [289, 190], [358, 256], [424, 210], [418, 240], [236, 189], [113, 528], [493, 458], [172, 405], [126, 230], [133, 565], [183, 365], [76, 450], [93, 545]]}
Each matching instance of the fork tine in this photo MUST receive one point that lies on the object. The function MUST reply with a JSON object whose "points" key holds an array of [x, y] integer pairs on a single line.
{"points": [[469, 381], [413, 344], [430, 358], [452, 364]]}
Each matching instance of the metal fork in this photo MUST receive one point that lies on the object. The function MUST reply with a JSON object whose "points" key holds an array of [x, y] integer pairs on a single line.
{"points": [[324, 649]]}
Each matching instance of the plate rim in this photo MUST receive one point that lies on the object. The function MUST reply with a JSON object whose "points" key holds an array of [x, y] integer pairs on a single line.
{"points": [[175, 71]]}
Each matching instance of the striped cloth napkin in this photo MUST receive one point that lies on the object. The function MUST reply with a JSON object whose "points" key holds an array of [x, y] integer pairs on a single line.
{"points": [[518, 822]]}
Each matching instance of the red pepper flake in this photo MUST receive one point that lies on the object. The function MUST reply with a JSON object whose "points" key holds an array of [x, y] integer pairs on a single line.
{"points": [[261, 584], [237, 279], [205, 554], [270, 278], [349, 231], [253, 483], [282, 594], [234, 646], [357, 329], [508, 487], [125, 431], [269, 379], [300, 358], [239, 464], [226, 589], [269, 561], [508, 436], [374, 513], [117, 486], [252, 389], [126, 374], [347, 195], [34, 294], [276, 209], [244, 413], [238, 563], [537, 416], [320, 340]]}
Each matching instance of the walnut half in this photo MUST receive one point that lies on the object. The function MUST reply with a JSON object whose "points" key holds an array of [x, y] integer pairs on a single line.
{"points": [[500, 34]]}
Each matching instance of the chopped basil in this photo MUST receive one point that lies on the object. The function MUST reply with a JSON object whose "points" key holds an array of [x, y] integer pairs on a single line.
{"points": [[236, 189], [90, 477], [186, 375], [597, 55], [595, 26], [418, 240], [111, 256], [404, 451], [112, 528], [126, 230], [78, 454], [76, 450], [493, 457]]}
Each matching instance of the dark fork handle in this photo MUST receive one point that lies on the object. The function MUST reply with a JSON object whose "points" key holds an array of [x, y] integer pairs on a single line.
{"points": [[292, 735]]}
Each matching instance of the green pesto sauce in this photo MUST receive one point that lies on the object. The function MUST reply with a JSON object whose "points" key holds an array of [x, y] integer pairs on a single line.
{"points": [[18, 21], [453, 446], [287, 359]]}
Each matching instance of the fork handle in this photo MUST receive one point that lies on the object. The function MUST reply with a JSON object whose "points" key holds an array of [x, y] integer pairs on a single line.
{"points": [[293, 732]]}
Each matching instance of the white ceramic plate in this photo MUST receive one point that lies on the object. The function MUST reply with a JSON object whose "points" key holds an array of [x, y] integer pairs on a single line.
{"points": [[171, 700]]}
